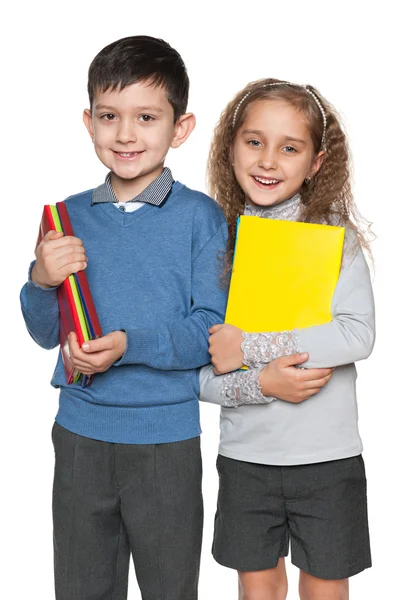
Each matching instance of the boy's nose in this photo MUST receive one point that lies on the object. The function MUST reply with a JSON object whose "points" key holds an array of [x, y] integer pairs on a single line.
{"points": [[126, 132]]}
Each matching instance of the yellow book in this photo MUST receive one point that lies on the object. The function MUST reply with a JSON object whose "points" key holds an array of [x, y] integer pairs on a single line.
{"points": [[284, 274]]}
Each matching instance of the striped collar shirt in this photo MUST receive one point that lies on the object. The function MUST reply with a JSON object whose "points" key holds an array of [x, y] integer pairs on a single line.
{"points": [[155, 193]]}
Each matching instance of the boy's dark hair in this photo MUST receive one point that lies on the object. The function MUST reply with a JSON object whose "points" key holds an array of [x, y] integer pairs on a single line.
{"points": [[140, 58]]}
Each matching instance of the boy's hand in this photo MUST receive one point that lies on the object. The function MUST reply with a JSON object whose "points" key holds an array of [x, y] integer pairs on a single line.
{"points": [[57, 256], [282, 380], [226, 353], [97, 355]]}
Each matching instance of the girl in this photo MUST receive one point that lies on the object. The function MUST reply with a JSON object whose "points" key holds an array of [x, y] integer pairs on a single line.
{"points": [[289, 463]]}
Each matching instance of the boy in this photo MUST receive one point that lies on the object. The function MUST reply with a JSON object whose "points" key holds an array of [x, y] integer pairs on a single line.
{"points": [[128, 466]]}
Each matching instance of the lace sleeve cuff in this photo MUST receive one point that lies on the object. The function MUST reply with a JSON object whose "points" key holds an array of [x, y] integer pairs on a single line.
{"points": [[243, 387], [261, 348]]}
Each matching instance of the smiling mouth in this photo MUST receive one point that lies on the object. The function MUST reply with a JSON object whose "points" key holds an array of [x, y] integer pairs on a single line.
{"points": [[128, 154], [266, 181]]}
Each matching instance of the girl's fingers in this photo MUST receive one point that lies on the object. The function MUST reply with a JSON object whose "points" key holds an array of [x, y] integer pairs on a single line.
{"points": [[316, 374], [312, 392], [317, 383], [215, 328]]}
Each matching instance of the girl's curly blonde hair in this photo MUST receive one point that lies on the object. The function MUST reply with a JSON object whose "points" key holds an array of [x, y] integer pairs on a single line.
{"points": [[327, 198]]}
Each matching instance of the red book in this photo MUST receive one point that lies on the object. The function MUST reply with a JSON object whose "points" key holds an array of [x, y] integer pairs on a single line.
{"points": [[67, 321], [46, 224], [67, 324], [81, 279], [69, 317]]}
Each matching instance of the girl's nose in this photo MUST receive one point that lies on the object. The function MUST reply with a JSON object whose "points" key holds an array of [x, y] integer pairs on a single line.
{"points": [[268, 160]]}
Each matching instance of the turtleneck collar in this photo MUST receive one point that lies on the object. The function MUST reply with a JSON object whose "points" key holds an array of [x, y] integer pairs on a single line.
{"points": [[288, 210]]}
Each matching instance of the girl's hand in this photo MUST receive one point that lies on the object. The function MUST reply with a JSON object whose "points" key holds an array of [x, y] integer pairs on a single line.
{"points": [[282, 380], [97, 355], [226, 353]]}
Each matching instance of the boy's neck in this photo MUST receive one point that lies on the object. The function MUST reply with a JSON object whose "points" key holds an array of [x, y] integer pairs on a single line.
{"points": [[126, 189]]}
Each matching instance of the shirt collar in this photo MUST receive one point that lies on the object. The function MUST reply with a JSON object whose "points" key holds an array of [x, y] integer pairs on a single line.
{"points": [[155, 193], [288, 210]]}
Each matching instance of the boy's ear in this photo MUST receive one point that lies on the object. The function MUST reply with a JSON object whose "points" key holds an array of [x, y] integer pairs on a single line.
{"points": [[183, 128], [87, 119]]}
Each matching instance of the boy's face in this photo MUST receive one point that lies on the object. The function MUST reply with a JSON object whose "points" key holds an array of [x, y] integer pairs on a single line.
{"points": [[132, 130]]}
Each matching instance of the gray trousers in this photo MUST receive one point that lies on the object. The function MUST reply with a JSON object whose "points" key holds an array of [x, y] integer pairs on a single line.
{"points": [[113, 500]]}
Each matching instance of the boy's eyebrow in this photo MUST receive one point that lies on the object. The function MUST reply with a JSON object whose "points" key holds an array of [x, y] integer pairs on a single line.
{"points": [[288, 138], [150, 107]]}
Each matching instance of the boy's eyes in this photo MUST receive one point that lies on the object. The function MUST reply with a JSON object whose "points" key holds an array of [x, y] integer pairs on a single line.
{"points": [[112, 117], [108, 117], [146, 118]]}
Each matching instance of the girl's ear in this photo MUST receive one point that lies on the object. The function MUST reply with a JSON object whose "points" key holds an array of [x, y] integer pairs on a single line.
{"points": [[317, 163]]}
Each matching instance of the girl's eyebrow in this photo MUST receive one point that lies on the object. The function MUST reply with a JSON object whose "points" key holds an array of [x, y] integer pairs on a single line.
{"points": [[288, 138], [254, 131]]}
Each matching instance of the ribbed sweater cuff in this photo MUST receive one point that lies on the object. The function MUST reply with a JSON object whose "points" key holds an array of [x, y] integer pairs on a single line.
{"points": [[141, 347]]}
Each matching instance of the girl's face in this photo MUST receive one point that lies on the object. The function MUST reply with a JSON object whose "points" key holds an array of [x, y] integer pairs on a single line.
{"points": [[273, 153]]}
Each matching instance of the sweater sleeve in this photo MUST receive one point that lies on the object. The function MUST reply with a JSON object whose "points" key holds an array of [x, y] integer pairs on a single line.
{"points": [[350, 335], [40, 311], [183, 343]]}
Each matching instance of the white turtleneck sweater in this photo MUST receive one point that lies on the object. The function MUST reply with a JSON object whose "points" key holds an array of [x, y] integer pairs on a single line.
{"points": [[324, 427]]}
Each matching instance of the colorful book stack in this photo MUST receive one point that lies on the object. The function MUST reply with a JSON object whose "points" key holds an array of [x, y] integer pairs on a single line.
{"points": [[77, 310], [284, 274]]}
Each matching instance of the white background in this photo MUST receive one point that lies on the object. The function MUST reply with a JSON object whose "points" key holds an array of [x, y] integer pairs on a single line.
{"points": [[347, 50]]}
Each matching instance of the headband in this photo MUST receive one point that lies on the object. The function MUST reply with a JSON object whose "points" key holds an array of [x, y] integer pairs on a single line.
{"points": [[304, 87]]}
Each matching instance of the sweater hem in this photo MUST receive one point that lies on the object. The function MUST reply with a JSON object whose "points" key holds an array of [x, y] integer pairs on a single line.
{"points": [[130, 425]]}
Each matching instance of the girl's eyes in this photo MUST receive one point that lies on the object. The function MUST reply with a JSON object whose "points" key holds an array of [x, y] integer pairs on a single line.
{"points": [[258, 144]]}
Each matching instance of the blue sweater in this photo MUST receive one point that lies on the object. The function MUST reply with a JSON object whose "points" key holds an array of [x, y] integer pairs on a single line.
{"points": [[156, 274]]}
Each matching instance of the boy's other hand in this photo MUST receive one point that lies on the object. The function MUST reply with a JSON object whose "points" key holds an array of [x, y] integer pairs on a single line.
{"points": [[282, 380], [224, 347], [57, 256], [97, 355]]}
